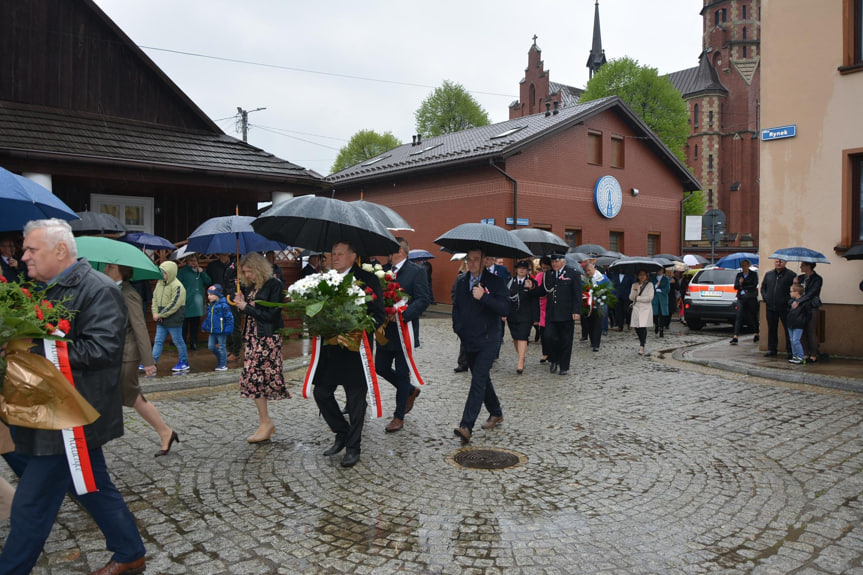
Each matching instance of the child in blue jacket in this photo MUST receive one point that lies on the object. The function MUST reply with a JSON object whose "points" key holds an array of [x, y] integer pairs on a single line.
{"points": [[219, 322]]}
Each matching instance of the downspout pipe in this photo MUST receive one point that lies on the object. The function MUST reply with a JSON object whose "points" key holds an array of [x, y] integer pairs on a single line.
{"points": [[514, 192]]}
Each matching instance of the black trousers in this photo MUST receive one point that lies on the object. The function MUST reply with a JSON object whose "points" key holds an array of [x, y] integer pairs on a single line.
{"points": [[594, 328], [747, 314], [339, 366], [621, 313], [559, 335], [191, 331], [235, 339], [773, 319]]}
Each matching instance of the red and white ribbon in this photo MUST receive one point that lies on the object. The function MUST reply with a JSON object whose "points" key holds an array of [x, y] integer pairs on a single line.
{"points": [[369, 373], [408, 343], [74, 440]]}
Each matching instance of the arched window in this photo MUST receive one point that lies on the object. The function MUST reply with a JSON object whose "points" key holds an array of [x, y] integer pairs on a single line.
{"points": [[696, 151], [744, 32], [532, 98], [695, 121]]}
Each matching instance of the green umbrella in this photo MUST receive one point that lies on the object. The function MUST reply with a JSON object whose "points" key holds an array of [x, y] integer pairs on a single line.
{"points": [[101, 251]]}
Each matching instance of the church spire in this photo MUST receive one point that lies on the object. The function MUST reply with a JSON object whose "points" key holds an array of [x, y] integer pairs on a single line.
{"points": [[597, 54]]}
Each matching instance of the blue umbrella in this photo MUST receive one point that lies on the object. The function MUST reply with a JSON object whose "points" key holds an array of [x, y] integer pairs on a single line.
{"points": [[25, 200], [799, 254], [229, 234], [733, 260], [420, 255], [148, 241]]}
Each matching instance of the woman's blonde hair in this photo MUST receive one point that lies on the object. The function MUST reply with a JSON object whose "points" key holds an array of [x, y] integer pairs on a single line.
{"points": [[262, 270]]}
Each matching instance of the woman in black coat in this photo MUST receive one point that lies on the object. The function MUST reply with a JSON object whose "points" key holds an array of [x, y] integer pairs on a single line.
{"points": [[812, 283], [523, 311], [262, 377]]}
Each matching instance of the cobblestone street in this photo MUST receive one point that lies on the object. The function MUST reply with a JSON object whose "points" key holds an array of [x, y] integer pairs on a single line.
{"points": [[629, 465]]}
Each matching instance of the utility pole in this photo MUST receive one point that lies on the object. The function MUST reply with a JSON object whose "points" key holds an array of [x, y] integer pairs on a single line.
{"points": [[244, 121]]}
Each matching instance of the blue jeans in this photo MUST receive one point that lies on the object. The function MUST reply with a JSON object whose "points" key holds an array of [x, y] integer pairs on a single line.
{"points": [[44, 482], [176, 336], [796, 346], [481, 389], [217, 343]]}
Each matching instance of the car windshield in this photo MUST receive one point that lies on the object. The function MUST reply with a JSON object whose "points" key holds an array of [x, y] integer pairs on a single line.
{"points": [[715, 277]]}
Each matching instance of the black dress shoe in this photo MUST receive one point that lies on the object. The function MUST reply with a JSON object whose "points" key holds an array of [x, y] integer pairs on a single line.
{"points": [[338, 445], [552, 367], [564, 372], [460, 369], [350, 459]]}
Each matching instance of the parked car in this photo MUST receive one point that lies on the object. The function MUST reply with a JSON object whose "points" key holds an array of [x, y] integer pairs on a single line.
{"points": [[710, 298]]}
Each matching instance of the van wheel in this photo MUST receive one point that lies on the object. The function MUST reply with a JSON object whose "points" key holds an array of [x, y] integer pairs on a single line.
{"points": [[694, 324]]}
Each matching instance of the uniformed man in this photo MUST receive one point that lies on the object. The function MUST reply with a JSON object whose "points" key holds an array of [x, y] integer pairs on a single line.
{"points": [[562, 285]]}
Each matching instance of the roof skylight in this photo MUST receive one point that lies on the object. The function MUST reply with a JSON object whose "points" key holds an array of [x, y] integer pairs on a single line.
{"points": [[508, 132]]}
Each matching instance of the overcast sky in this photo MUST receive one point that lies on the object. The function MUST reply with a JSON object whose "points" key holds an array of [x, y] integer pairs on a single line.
{"points": [[338, 66]]}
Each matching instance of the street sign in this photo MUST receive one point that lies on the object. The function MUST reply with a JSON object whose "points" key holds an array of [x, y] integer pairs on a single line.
{"points": [[713, 224], [778, 133], [521, 222]]}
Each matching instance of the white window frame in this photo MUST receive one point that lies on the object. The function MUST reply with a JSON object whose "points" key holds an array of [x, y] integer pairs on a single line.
{"points": [[121, 203]]}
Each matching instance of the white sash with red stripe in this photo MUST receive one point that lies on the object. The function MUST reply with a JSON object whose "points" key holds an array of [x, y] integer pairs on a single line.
{"points": [[408, 343], [369, 373], [74, 441]]}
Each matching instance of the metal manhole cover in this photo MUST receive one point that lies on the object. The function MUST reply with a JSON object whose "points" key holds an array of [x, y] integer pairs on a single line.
{"points": [[476, 458]]}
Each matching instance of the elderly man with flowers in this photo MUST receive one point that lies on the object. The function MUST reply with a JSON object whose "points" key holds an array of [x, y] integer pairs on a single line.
{"points": [[94, 356]]}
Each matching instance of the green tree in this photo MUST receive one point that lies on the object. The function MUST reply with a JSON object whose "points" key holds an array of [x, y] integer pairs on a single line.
{"points": [[364, 145], [655, 100], [449, 108]]}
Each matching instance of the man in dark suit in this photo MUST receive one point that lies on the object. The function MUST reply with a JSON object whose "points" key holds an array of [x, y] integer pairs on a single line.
{"points": [[776, 291], [481, 298], [340, 366], [313, 266], [562, 284], [414, 281], [12, 267], [622, 286]]}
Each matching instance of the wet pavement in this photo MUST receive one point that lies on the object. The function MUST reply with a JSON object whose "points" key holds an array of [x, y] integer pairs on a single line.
{"points": [[660, 464]]}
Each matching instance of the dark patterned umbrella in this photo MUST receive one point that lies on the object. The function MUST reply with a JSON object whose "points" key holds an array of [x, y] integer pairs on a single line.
{"points": [[229, 234], [493, 240], [540, 242], [92, 223], [589, 249], [25, 200], [316, 223], [798, 254], [385, 215], [148, 241], [671, 257]]}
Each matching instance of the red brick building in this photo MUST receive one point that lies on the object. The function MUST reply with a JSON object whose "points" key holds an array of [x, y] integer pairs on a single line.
{"points": [[543, 171], [722, 94]]}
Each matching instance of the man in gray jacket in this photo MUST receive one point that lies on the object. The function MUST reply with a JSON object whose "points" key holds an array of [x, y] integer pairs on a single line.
{"points": [[95, 355]]}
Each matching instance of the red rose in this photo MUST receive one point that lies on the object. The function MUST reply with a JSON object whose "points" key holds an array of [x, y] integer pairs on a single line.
{"points": [[63, 325], [38, 312], [50, 327], [47, 304]]}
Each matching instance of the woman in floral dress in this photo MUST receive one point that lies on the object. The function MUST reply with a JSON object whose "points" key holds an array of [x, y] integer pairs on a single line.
{"points": [[262, 377]]}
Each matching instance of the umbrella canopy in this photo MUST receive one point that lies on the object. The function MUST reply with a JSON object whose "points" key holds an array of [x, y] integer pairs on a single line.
{"points": [[148, 241], [420, 255], [96, 223], [101, 251], [493, 240], [799, 254], [855, 253], [632, 265], [606, 260], [316, 223], [25, 200], [695, 260], [574, 259], [733, 260], [589, 249], [181, 253], [385, 215], [229, 234], [665, 262], [670, 257], [540, 242]]}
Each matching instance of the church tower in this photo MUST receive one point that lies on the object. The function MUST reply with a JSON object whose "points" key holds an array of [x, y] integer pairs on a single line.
{"points": [[597, 54]]}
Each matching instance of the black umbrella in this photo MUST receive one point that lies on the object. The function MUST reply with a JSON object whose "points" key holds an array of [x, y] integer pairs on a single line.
{"points": [[606, 260], [540, 242], [316, 223], [493, 240], [574, 259], [633, 265], [855, 253], [385, 215], [96, 223], [671, 257], [589, 249]]}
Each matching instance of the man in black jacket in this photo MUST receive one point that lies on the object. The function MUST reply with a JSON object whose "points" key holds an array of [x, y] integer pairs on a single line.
{"points": [[776, 291], [746, 284], [340, 366], [414, 281], [562, 284], [480, 299], [95, 356]]}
